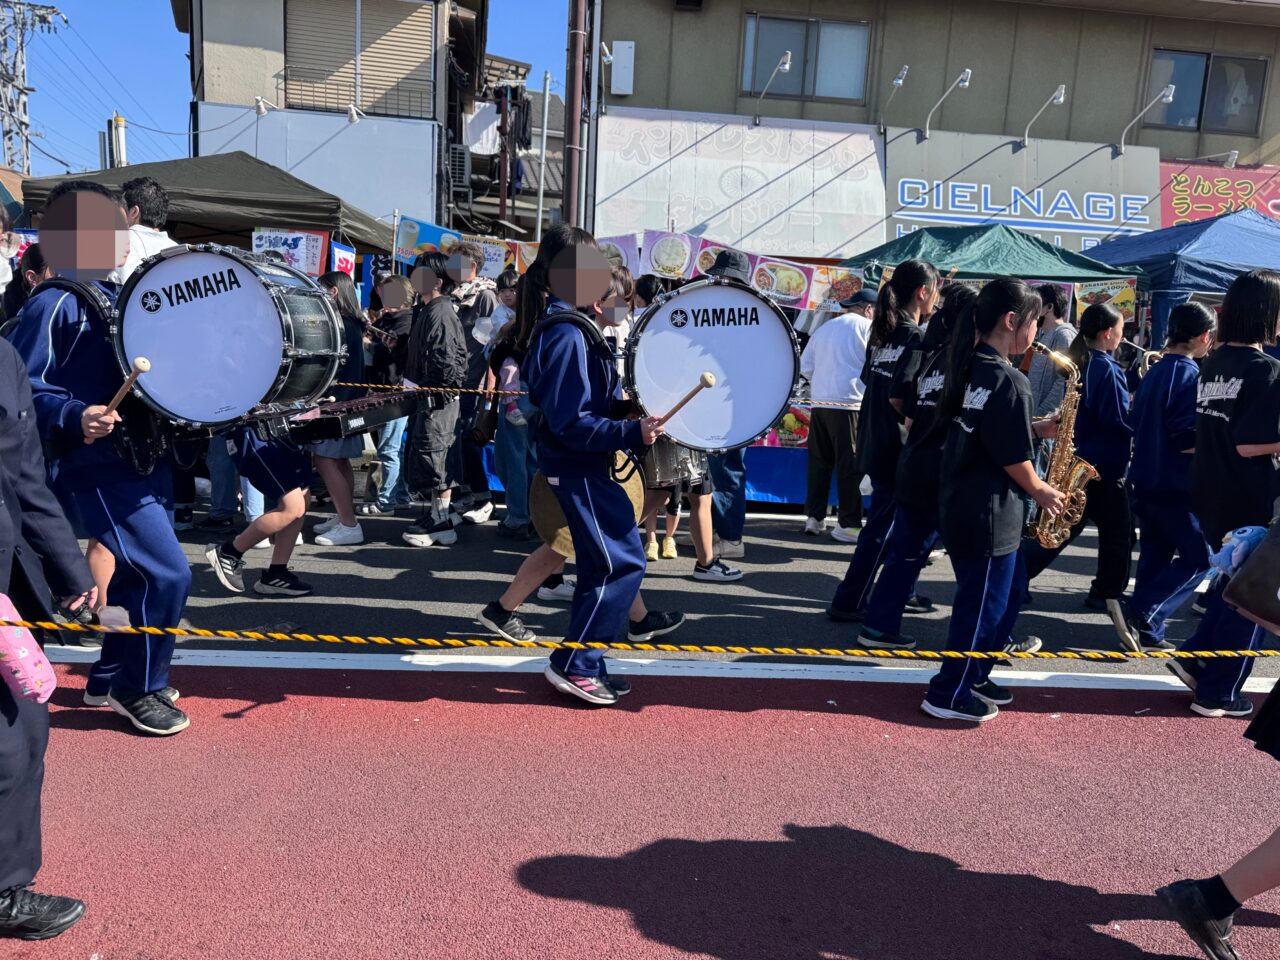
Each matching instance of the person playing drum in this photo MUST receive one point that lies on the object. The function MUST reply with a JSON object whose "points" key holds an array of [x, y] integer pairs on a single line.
{"points": [[573, 383]]}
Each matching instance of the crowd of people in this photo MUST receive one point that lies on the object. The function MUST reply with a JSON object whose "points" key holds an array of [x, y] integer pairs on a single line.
{"points": [[915, 387]]}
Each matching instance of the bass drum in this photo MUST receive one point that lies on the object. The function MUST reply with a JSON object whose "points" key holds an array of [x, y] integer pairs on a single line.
{"points": [[726, 328], [225, 331]]}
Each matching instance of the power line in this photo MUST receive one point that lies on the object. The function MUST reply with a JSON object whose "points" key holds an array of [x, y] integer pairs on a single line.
{"points": [[123, 86], [39, 149], [18, 24]]}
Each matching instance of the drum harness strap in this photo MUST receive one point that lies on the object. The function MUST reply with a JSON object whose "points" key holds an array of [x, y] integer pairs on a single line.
{"points": [[142, 438], [594, 338]]}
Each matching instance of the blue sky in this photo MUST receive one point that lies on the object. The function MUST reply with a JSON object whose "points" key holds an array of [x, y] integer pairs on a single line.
{"points": [[137, 64]]}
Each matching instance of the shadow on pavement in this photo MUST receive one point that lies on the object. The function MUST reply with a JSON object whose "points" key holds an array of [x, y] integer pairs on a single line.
{"points": [[827, 892]]}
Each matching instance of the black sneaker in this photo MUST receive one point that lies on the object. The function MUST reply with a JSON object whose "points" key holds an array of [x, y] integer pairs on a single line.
{"points": [[991, 692], [184, 518], [975, 711], [216, 524], [150, 713], [505, 623], [428, 532], [1239, 707], [1186, 903], [94, 700], [1094, 602], [716, 571], [1201, 603], [846, 616], [83, 616], [591, 689], [876, 640], [654, 624], [1182, 673], [619, 686], [509, 532], [1026, 645], [26, 915], [281, 585], [918, 604], [229, 569]]}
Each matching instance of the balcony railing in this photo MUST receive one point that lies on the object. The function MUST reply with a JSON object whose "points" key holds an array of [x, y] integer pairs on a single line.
{"points": [[306, 89]]}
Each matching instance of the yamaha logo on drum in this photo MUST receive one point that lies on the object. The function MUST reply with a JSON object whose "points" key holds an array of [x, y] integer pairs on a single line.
{"points": [[727, 317], [150, 301], [679, 318], [197, 288]]}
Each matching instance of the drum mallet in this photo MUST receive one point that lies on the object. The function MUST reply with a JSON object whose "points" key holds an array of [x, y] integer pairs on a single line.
{"points": [[140, 366], [708, 379]]}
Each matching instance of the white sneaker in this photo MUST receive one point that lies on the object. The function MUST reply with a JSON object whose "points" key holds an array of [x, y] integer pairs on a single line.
{"points": [[563, 593], [480, 514], [261, 545], [845, 534], [728, 549], [326, 525], [813, 527], [717, 570], [341, 536]]}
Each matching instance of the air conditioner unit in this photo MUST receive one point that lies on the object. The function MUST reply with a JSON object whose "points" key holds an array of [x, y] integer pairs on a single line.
{"points": [[688, 4], [460, 167]]}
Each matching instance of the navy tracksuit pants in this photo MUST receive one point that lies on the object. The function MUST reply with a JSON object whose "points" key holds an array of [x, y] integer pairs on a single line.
{"points": [[152, 578], [1172, 560], [609, 561], [24, 734], [1218, 682], [911, 537], [868, 553], [982, 617]]}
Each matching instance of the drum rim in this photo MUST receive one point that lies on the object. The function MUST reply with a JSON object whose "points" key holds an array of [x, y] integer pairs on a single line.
{"points": [[250, 261], [661, 300]]}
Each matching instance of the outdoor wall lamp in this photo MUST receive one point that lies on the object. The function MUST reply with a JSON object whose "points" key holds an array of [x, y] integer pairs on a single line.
{"points": [[962, 82], [1229, 159], [898, 81], [784, 66], [1166, 96], [1058, 99], [355, 114], [261, 104]]}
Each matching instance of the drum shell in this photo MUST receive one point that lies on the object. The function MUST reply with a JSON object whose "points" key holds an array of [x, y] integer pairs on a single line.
{"points": [[668, 464], [310, 327], [642, 323]]}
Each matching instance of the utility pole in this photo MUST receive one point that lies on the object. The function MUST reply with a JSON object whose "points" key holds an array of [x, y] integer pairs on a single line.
{"points": [[573, 145], [504, 157], [18, 22], [542, 154]]}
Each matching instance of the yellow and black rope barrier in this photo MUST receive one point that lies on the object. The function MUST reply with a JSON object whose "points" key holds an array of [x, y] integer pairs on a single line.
{"points": [[455, 643]]}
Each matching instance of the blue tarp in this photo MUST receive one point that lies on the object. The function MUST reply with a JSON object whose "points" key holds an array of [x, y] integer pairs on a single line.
{"points": [[1200, 257]]}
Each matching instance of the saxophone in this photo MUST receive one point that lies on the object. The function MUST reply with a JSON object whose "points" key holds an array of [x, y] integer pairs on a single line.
{"points": [[1066, 472]]}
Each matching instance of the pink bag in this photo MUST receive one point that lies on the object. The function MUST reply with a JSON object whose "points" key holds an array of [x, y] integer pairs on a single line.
{"points": [[23, 665]]}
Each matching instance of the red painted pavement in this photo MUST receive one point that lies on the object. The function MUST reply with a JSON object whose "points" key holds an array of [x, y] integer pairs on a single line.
{"points": [[388, 815]]}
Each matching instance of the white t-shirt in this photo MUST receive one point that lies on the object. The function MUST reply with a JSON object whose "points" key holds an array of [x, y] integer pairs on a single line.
{"points": [[832, 360], [143, 242]]}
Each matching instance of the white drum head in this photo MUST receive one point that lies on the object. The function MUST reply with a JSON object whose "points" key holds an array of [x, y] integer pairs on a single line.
{"points": [[730, 332], [212, 334]]}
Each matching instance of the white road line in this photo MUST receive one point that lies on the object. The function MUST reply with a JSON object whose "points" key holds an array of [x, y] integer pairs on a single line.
{"points": [[715, 669]]}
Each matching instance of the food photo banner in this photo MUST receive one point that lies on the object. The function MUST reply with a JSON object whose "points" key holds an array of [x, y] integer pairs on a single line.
{"points": [[305, 250], [1121, 293]]}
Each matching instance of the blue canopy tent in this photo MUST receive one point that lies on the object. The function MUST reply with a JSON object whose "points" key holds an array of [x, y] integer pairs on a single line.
{"points": [[1200, 257]]}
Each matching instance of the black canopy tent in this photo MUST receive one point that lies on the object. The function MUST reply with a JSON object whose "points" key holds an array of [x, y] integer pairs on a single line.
{"points": [[221, 199]]}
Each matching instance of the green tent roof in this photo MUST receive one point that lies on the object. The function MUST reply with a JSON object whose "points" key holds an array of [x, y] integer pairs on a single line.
{"points": [[220, 198], [984, 252]]}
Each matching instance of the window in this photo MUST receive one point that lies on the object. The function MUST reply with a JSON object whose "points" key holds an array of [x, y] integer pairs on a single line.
{"points": [[828, 57], [1215, 93]]}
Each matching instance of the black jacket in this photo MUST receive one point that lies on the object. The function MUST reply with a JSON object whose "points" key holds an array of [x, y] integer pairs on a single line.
{"points": [[34, 534], [437, 355], [387, 363]]}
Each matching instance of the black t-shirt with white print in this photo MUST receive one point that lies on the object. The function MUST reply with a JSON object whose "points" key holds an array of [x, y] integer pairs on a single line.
{"points": [[981, 506], [920, 465], [1237, 403], [881, 431]]}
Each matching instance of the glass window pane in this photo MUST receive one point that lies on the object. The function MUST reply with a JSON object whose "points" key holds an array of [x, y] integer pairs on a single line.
{"points": [[842, 60], [1233, 98], [1186, 71], [748, 51], [776, 37]]}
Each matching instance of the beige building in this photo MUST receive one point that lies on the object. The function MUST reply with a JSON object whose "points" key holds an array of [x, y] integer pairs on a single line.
{"points": [[354, 96], [715, 56]]}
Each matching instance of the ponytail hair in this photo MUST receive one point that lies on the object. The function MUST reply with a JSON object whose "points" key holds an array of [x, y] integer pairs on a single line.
{"points": [[1095, 319], [535, 285], [891, 306], [1186, 322], [997, 298]]}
